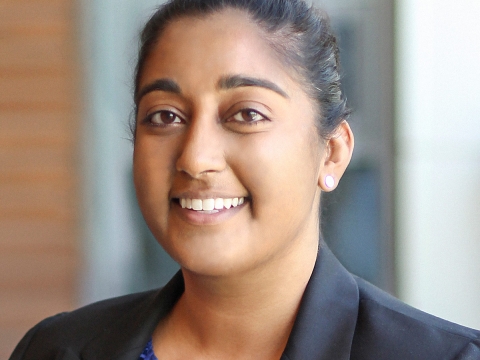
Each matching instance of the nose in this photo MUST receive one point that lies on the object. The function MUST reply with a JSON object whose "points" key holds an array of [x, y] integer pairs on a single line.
{"points": [[202, 150]]}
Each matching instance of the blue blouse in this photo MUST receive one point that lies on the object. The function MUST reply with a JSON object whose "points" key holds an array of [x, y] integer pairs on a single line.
{"points": [[147, 353]]}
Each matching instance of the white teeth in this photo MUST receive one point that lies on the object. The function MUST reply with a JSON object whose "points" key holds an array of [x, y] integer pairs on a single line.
{"points": [[227, 203], [197, 204], [208, 204], [211, 204], [219, 203]]}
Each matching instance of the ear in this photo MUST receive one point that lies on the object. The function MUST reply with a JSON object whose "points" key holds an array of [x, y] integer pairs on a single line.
{"points": [[338, 152]]}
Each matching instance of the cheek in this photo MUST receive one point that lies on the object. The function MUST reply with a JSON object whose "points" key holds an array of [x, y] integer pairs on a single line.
{"points": [[281, 172], [150, 170]]}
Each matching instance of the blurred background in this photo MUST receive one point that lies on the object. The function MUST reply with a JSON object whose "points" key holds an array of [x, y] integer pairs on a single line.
{"points": [[406, 216]]}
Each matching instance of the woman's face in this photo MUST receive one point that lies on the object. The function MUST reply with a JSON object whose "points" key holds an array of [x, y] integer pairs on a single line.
{"points": [[220, 118]]}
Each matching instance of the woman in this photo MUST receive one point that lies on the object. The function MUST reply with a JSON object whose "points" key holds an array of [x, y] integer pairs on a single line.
{"points": [[240, 125]]}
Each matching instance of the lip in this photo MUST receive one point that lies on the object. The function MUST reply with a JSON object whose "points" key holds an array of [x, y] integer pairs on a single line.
{"points": [[201, 218]]}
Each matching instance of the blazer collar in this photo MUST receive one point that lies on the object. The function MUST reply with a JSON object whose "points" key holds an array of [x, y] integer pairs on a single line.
{"points": [[323, 329], [327, 317]]}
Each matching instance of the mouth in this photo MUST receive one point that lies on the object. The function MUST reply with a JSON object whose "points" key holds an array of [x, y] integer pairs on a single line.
{"points": [[210, 206]]}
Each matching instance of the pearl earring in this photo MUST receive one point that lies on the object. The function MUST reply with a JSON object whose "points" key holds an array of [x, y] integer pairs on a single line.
{"points": [[329, 181]]}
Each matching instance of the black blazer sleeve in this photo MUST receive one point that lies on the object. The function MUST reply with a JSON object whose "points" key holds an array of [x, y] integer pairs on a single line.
{"points": [[22, 346]]}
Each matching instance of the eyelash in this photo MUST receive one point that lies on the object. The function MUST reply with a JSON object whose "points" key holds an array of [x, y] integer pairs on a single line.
{"points": [[230, 119], [149, 118], [246, 122]]}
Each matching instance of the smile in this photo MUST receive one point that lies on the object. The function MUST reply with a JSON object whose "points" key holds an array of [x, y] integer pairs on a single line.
{"points": [[211, 204]]}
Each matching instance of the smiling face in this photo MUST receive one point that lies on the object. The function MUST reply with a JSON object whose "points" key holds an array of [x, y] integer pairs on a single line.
{"points": [[227, 158]]}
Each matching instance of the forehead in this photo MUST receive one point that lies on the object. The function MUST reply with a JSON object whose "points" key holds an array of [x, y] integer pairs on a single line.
{"points": [[226, 42]]}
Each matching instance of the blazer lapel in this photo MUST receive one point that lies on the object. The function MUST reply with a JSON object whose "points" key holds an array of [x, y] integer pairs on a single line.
{"points": [[328, 313], [126, 338]]}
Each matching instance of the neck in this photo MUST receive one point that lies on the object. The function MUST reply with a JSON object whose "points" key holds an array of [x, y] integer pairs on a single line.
{"points": [[220, 315]]}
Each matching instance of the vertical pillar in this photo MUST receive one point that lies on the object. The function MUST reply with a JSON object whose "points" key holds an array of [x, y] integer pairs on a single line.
{"points": [[438, 159]]}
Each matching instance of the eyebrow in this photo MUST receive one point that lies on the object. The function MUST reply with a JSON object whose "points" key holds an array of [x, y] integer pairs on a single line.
{"points": [[167, 85], [237, 81], [225, 83]]}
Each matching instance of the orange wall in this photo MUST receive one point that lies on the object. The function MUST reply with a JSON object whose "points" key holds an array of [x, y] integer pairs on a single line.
{"points": [[39, 132]]}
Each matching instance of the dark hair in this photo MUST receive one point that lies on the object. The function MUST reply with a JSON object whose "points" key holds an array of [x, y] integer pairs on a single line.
{"points": [[300, 34]]}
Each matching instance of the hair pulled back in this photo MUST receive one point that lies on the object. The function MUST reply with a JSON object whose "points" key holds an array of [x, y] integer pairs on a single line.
{"points": [[301, 35]]}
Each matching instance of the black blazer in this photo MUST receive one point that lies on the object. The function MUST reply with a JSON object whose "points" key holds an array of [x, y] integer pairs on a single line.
{"points": [[341, 317]]}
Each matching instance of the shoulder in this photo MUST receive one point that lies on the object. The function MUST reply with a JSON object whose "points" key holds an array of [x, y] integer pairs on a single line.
{"points": [[93, 318], [388, 326], [73, 330]]}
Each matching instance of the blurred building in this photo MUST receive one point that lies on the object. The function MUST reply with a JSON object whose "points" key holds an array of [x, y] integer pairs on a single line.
{"points": [[40, 246], [405, 216]]}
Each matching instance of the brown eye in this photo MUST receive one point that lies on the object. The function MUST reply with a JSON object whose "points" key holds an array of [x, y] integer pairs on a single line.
{"points": [[248, 116], [164, 118]]}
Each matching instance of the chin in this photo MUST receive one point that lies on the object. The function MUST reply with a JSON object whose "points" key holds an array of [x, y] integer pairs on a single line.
{"points": [[211, 256]]}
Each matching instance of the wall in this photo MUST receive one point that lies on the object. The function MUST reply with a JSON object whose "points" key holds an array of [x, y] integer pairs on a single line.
{"points": [[438, 160], [38, 164]]}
